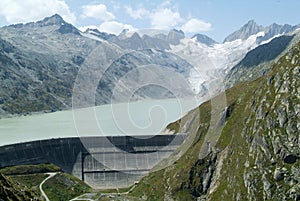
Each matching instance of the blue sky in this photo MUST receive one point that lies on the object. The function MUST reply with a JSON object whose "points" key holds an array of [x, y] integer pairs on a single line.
{"points": [[215, 18]]}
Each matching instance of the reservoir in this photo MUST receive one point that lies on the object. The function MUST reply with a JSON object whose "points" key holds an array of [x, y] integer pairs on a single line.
{"points": [[124, 119]]}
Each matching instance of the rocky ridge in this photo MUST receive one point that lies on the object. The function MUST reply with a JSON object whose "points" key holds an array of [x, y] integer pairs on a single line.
{"points": [[251, 28]]}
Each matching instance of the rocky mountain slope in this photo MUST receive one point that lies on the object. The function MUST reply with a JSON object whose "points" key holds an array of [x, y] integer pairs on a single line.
{"points": [[260, 58], [257, 154], [39, 61]]}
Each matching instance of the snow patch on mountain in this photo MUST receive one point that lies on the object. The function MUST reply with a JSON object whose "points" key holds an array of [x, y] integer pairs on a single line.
{"points": [[91, 36], [212, 62]]}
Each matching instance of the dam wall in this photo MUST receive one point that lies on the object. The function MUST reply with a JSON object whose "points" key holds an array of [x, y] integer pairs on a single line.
{"points": [[102, 162]]}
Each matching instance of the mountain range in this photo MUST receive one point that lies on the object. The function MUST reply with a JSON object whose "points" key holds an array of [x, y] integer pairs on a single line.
{"points": [[251, 28], [40, 61]]}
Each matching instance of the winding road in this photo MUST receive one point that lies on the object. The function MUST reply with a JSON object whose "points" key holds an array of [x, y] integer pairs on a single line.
{"points": [[51, 174]]}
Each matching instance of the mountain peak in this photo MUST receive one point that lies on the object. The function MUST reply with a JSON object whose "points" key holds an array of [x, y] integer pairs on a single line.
{"points": [[201, 38], [124, 32], [251, 23], [55, 19], [55, 16], [250, 28], [177, 31], [175, 36]]}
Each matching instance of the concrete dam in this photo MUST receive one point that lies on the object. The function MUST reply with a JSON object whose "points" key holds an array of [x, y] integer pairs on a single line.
{"points": [[102, 162]]}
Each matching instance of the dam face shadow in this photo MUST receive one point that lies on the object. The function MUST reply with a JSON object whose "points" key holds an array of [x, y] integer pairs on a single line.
{"points": [[102, 162]]}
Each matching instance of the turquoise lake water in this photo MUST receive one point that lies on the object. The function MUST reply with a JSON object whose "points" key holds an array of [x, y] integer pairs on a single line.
{"points": [[134, 118]]}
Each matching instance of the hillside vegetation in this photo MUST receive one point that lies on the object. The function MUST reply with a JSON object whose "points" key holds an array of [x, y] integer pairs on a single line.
{"points": [[257, 155], [21, 183]]}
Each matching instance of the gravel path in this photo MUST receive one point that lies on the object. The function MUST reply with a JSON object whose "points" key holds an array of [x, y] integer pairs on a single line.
{"points": [[51, 174]]}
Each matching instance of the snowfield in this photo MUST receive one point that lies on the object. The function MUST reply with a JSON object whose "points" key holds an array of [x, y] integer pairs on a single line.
{"points": [[212, 62]]}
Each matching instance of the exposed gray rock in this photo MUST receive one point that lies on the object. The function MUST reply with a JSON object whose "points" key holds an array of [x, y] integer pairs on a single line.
{"points": [[284, 87], [278, 82], [295, 60], [292, 131], [259, 113], [282, 117], [278, 174], [296, 71], [270, 122], [267, 187]]}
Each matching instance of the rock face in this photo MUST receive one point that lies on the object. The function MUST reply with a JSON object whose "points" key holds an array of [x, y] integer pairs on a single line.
{"points": [[201, 175], [257, 154]]}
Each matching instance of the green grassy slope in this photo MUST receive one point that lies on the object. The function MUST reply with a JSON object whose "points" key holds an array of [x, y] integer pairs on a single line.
{"points": [[64, 187], [22, 183], [11, 190], [256, 157]]}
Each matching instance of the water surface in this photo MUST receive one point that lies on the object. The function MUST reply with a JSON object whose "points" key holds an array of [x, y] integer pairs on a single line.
{"points": [[135, 118]]}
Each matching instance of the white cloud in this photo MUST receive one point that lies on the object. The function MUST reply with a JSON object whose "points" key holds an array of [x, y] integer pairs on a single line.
{"points": [[139, 13], [165, 18], [98, 11], [196, 25], [21, 11], [114, 27]]}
